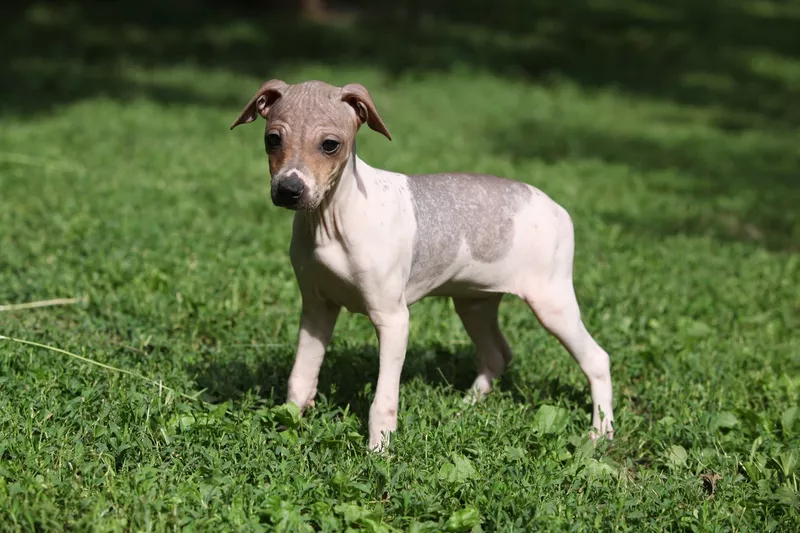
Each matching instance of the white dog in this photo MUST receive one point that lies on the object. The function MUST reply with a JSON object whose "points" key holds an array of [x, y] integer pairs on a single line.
{"points": [[375, 242]]}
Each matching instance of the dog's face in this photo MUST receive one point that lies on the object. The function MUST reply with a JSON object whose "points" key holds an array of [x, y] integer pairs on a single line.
{"points": [[309, 136]]}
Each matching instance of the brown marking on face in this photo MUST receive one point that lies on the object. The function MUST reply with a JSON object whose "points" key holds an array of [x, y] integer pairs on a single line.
{"points": [[310, 134]]}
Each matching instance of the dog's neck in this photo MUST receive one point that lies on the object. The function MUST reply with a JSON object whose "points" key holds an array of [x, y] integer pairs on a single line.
{"points": [[345, 202]]}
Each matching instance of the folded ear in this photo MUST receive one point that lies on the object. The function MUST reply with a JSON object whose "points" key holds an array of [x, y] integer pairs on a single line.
{"points": [[359, 98], [261, 102]]}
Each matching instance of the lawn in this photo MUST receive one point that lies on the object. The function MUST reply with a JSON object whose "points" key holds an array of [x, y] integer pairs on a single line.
{"points": [[670, 134]]}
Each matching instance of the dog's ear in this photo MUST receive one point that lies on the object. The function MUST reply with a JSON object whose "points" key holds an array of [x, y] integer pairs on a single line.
{"points": [[261, 102], [359, 98]]}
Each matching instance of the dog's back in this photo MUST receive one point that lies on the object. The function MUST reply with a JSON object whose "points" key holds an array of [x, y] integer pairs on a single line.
{"points": [[461, 215]]}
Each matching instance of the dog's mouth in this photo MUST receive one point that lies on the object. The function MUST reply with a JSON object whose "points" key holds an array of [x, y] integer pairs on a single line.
{"points": [[299, 204], [304, 202], [292, 205]]}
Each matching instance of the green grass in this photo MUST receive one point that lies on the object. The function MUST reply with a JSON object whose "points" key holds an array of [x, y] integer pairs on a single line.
{"points": [[127, 188]]}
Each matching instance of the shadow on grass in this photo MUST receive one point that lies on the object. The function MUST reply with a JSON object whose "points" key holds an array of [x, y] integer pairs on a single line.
{"points": [[722, 53], [349, 374]]}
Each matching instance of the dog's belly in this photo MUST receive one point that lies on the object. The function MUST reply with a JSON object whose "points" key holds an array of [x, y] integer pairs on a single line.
{"points": [[465, 278]]}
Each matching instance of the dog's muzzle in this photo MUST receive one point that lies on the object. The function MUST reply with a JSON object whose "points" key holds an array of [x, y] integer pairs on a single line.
{"points": [[288, 191]]}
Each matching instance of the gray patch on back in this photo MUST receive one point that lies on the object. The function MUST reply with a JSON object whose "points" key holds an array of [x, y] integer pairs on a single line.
{"points": [[453, 208]]}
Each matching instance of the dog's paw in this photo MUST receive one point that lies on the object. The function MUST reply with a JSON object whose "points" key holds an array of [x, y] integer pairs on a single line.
{"points": [[379, 444], [477, 392], [303, 400], [472, 397], [597, 436]]}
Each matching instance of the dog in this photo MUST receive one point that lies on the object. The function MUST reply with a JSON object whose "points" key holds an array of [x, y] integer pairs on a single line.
{"points": [[375, 242]]}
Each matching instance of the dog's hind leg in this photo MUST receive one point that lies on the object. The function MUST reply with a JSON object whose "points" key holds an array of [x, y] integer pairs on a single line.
{"points": [[479, 316], [557, 309], [551, 296]]}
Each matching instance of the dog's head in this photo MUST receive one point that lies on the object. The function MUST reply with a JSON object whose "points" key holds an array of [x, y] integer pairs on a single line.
{"points": [[309, 136]]}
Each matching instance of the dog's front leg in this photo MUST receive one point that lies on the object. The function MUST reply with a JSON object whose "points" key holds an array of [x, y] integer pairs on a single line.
{"points": [[317, 321], [392, 330]]}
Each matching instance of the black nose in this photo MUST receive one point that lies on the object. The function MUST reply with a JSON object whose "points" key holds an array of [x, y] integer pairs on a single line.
{"points": [[288, 191]]}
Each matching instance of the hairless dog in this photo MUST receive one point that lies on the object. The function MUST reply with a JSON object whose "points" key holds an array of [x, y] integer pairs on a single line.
{"points": [[375, 242]]}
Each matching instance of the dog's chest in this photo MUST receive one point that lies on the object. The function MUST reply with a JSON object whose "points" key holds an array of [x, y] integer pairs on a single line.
{"points": [[332, 275]]}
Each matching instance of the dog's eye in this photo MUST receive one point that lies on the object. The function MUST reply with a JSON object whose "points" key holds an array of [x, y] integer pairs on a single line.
{"points": [[273, 140], [329, 146]]}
